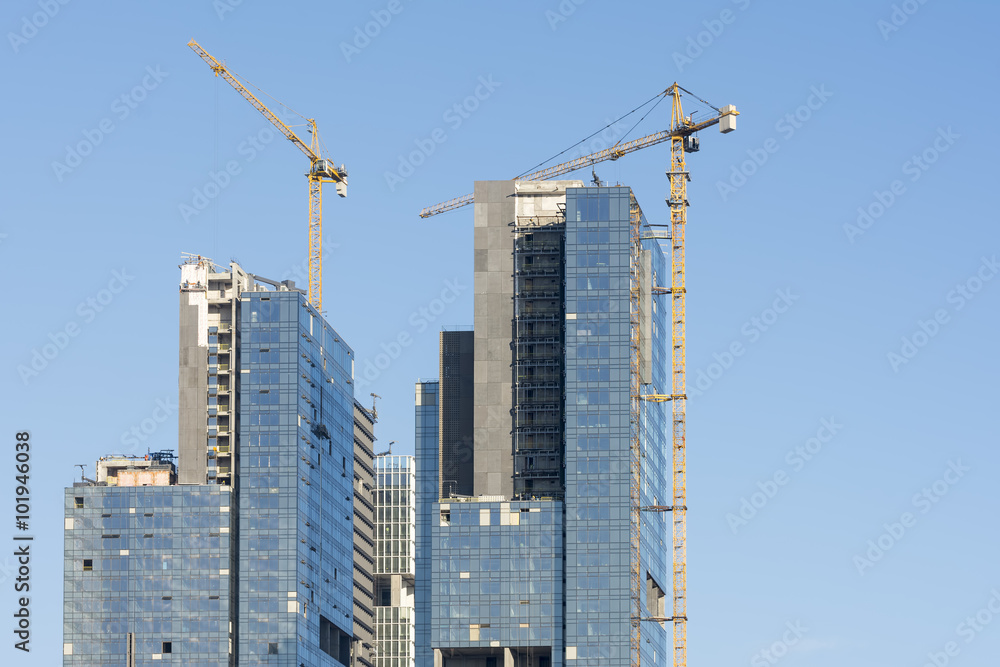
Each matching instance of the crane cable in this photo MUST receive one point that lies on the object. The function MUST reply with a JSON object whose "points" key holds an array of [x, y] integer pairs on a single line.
{"points": [[246, 82], [660, 95]]}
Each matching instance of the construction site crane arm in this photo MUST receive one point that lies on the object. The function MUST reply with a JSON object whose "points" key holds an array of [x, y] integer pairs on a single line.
{"points": [[613, 153], [321, 170], [223, 71]]}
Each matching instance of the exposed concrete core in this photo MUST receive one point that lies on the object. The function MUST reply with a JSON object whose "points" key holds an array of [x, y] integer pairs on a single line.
{"points": [[208, 409], [494, 285], [192, 389]]}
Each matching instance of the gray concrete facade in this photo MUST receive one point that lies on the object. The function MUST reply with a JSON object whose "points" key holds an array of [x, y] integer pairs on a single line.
{"points": [[494, 215], [193, 395]]}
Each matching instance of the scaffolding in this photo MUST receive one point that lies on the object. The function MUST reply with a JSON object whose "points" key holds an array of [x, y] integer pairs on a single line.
{"points": [[537, 343]]}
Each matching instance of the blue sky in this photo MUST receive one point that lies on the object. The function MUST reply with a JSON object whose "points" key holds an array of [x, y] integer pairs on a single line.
{"points": [[853, 198]]}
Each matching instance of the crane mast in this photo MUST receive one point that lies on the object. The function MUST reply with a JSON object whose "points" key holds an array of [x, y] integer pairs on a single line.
{"points": [[678, 204], [321, 170]]}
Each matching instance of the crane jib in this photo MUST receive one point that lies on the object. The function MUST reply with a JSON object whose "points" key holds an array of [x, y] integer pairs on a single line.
{"points": [[727, 116]]}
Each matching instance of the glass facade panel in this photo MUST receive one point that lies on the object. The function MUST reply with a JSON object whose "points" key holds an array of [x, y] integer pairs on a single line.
{"points": [[296, 470], [164, 576], [598, 434], [427, 480]]}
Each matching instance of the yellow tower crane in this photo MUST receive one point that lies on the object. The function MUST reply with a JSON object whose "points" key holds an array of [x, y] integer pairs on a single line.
{"points": [[321, 170], [680, 135]]}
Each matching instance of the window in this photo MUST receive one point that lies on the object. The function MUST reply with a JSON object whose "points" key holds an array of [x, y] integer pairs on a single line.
{"points": [[78, 502], [168, 647], [272, 648], [88, 564]]}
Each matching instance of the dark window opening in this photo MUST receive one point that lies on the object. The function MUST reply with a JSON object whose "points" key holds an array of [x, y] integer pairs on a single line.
{"points": [[88, 564], [78, 502], [168, 647], [272, 648], [333, 641]]}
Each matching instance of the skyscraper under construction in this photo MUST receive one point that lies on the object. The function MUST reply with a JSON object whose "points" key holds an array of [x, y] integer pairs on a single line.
{"points": [[531, 549], [256, 548]]}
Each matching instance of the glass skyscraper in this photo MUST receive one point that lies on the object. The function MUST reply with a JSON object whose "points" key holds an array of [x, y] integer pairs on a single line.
{"points": [[249, 559], [533, 567]]}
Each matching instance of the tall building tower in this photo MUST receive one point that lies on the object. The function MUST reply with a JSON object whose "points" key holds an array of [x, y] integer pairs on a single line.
{"points": [[248, 556], [395, 518], [547, 559]]}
